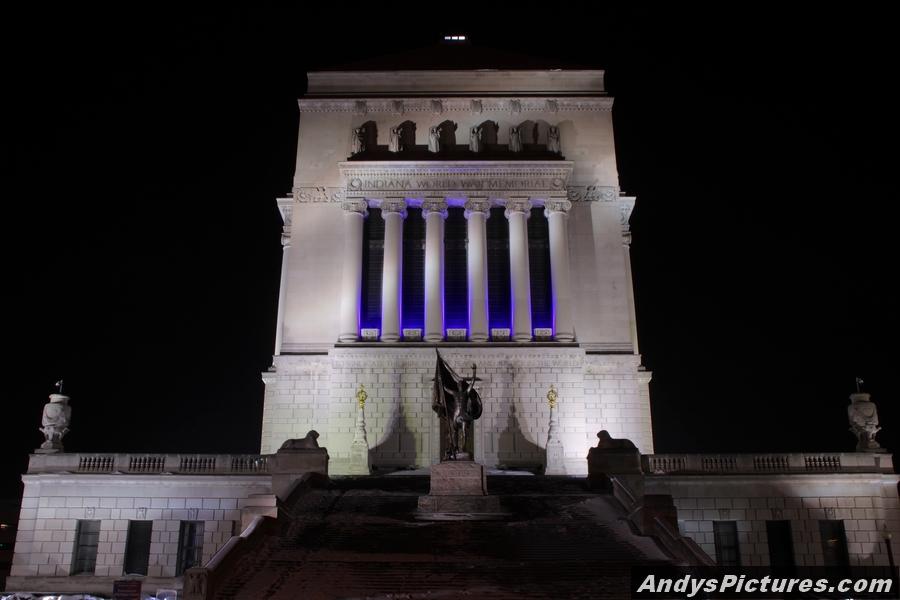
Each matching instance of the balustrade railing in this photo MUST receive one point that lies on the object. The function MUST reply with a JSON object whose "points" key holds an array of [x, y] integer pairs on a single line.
{"points": [[193, 464], [800, 462]]}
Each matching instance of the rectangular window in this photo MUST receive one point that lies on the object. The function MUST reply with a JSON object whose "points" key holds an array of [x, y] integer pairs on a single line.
{"points": [[727, 552], [190, 546], [834, 543], [137, 548], [781, 543], [86, 538]]}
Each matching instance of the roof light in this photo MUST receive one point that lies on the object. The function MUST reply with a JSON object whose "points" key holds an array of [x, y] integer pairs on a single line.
{"points": [[454, 38]]}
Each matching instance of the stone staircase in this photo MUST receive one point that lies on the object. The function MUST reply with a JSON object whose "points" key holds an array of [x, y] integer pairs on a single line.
{"points": [[359, 538]]}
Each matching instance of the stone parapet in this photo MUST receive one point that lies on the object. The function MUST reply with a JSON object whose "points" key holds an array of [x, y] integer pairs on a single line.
{"points": [[174, 464], [796, 462]]}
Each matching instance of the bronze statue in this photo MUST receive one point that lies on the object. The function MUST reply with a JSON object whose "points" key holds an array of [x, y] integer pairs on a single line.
{"points": [[456, 401]]}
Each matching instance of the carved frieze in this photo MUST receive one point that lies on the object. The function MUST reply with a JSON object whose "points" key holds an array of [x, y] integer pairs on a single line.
{"points": [[286, 209], [540, 179], [311, 193], [473, 105], [593, 193], [626, 205]]}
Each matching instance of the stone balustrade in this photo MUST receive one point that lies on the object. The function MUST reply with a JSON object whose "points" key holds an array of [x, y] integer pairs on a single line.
{"points": [[175, 464], [797, 462]]}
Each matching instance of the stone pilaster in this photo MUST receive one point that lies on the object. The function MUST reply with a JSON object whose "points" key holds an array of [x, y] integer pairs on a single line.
{"points": [[557, 213]]}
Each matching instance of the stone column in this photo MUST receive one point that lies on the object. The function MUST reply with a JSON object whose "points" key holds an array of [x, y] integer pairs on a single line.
{"points": [[393, 211], [351, 281], [517, 213], [285, 207], [434, 211], [477, 212], [557, 213]]}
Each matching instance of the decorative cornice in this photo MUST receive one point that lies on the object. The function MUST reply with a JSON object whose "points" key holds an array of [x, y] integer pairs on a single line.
{"points": [[434, 205], [593, 193], [510, 105], [479, 205], [518, 205], [457, 179], [557, 206], [356, 206], [393, 206], [312, 193]]}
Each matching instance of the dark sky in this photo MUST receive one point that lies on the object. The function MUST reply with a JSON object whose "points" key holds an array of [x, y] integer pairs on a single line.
{"points": [[143, 152]]}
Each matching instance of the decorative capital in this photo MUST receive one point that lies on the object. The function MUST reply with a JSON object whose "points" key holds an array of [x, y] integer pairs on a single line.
{"points": [[434, 205], [477, 205], [518, 205], [286, 210], [556, 205], [356, 206], [626, 205], [393, 205]]}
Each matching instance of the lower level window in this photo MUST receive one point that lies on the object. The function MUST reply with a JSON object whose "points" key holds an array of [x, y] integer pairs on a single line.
{"points": [[834, 543], [727, 551], [137, 547], [190, 546], [86, 538]]}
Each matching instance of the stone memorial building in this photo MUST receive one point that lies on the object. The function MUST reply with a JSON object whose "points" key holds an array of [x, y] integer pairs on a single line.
{"points": [[477, 212]]}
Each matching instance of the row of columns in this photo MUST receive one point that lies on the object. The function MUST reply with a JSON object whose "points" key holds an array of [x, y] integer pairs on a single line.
{"points": [[477, 211]]}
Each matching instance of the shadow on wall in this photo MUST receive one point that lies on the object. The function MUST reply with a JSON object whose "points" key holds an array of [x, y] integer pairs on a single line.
{"points": [[397, 449], [514, 450]]}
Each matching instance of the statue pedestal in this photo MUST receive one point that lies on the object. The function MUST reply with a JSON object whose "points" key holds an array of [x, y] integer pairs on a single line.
{"points": [[555, 459], [459, 492]]}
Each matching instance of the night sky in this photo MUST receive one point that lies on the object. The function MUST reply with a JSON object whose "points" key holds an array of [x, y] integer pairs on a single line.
{"points": [[143, 152]]}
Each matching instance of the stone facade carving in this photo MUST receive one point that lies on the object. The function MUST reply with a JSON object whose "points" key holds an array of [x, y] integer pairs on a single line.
{"points": [[475, 139], [518, 205], [394, 142], [553, 144], [416, 179], [437, 106], [398, 108], [55, 423], [863, 416], [626, 206], [593, 193], [477, 106], [286, 209], [393, 205], [311, 194], [552, 106], [358, 140], [515, 140], [515, 106], [360, 107], [434, 139], [477, 205], [358, 206], [434, 205], [563, 206]]}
